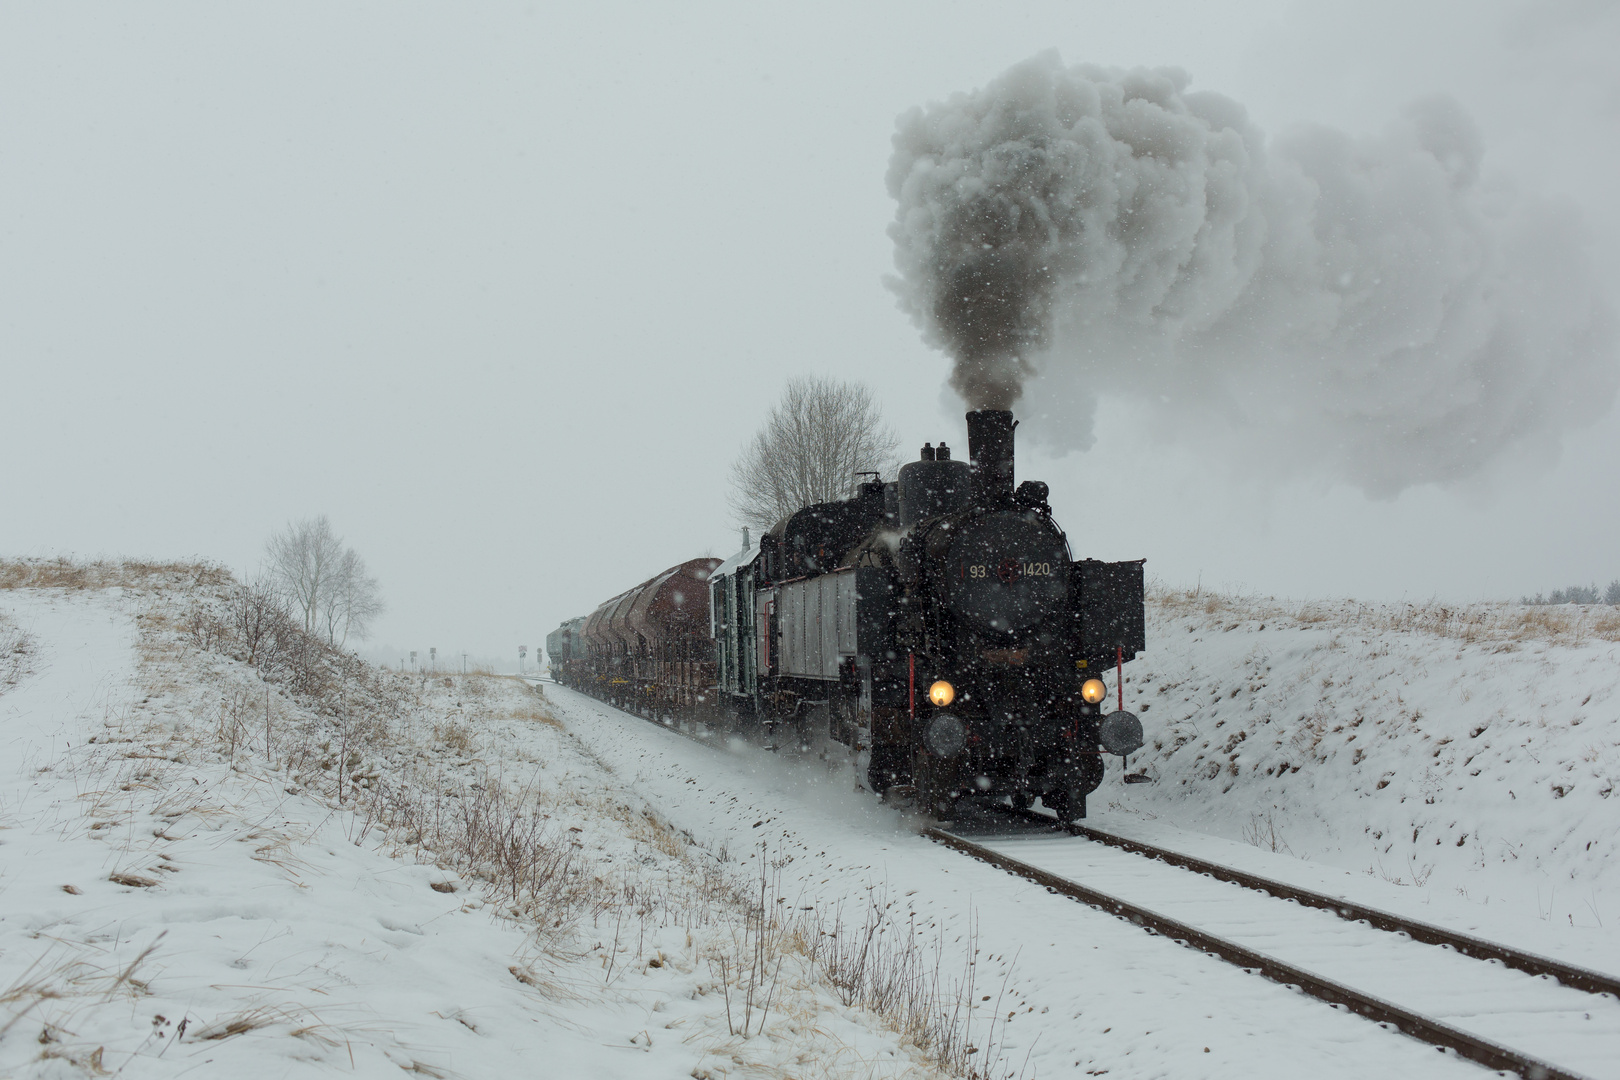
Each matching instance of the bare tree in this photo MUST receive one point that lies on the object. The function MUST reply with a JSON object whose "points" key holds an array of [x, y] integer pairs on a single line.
{"points": [[302, 559], [817, 438], [352, 600], [324, 583]]}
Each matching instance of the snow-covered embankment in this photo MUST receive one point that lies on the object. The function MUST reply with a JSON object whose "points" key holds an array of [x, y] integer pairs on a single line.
{"points": [[1473, 751], [311, 863]]}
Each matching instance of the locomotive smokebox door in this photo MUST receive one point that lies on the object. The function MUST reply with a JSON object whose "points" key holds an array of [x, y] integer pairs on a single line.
{"points": [[1005, 574], [1108, 606]]}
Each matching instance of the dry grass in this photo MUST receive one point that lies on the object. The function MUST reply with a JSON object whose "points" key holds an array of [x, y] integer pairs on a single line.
{"points": [[54, 987], [342, 730], [253, 1018], [883, 963], [1502, 624], [64, 573], [505, 838], [514, 838], [455, 735], [16, 649], [537, 714]]}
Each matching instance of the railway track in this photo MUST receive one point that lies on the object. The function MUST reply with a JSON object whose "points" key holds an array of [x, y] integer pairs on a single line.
{"points": [[1388, 968], [1027, 850]]}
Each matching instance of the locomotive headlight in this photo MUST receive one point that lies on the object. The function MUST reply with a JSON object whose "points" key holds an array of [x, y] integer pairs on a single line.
{"points": [[942, 693], [1093, 691]]}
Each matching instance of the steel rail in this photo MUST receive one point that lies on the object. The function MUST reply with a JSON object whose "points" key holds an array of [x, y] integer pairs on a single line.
{"points": [[1579, 978], [1438, 1033], [1467, 1045]]}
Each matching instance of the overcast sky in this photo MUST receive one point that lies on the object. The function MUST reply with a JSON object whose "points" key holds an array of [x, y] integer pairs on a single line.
{"points": [[502, 289]]}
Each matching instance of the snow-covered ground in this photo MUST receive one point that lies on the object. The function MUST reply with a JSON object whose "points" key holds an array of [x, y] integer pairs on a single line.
{"points": [[1467, 753], [172, 902], [1087, 993], [226, 888]]}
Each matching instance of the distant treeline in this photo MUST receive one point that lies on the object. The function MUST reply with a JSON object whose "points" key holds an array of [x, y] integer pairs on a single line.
{"points": [[1578, 594]]}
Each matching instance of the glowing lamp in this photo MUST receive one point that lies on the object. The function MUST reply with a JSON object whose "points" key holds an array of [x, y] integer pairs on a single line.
{"points": [[942, 693], [1093, 691]]}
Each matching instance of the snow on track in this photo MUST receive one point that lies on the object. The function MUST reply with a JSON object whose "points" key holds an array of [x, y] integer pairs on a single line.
{"points": [[1086, 992], [1536, 1016]]}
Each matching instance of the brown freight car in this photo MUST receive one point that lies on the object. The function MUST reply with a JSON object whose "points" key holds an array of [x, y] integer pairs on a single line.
{"points": [[649, 648]]}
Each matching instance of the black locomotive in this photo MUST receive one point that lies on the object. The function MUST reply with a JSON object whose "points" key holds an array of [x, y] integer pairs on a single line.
{"points": [[940, 623]]}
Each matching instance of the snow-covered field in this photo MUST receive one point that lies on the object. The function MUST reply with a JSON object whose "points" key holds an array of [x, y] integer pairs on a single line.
{"points": [[191, 865], [175, 900]]}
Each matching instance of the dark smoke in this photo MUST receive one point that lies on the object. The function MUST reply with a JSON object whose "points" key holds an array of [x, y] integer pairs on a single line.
{"points": [[1372, 308]]}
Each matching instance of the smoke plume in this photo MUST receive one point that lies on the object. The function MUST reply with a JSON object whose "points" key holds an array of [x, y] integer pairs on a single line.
{"points": [[1369, 308]]}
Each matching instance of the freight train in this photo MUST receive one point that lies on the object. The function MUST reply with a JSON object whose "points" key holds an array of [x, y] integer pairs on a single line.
{"points": [[937, 626]]}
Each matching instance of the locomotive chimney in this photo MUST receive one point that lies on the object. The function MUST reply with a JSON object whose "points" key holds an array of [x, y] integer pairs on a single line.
{"points": [[990, 449]]}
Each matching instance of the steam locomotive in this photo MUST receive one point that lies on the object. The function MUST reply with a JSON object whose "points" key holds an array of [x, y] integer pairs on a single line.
{"points": [[937, 626]]}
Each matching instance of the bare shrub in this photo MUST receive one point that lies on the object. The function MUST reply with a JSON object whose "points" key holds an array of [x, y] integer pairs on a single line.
{"points": [[883, 963], [307, 666], [206, 629], [256, 613], [502, 837], [1262, 833]]}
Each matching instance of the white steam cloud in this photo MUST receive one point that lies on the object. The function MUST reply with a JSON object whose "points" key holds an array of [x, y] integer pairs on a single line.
{"points": [[1366, 308]]}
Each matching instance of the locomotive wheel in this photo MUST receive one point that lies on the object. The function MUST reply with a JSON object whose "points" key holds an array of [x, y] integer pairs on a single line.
{"points": [[1068, 805], [938, 788], [1091, 774], [887, 768], [842, 718]]}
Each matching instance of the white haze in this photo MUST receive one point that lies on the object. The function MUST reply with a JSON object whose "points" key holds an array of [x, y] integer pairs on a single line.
{"points": [[1376, 309], [503, 289]]}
